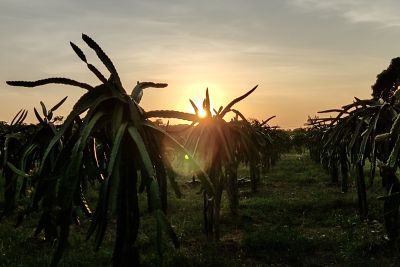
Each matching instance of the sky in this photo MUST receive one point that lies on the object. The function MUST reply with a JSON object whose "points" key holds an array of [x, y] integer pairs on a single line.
{"points": [[305, 55]]}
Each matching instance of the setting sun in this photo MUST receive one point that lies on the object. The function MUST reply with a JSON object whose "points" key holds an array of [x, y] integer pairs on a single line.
{"points": [[202, 113]]}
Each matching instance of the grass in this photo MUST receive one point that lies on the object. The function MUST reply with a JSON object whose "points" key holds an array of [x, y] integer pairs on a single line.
{"points": [[296, 219]]}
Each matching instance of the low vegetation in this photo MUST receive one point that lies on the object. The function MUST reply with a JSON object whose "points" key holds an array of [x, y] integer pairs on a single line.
{"points": [[296, 219]]}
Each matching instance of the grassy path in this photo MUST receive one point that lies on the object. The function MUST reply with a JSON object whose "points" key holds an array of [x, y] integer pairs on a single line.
{"points": [[304, 221], [296, 219]]}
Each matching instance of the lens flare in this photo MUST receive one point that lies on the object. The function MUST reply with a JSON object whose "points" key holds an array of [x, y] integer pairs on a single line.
{"points": [[181, 163]]}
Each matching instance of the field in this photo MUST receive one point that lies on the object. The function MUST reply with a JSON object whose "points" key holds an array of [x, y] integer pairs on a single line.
{"points": [[296, 219]]}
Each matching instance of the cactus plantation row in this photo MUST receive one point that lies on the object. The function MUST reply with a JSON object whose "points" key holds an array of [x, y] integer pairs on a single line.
{"points": [[108, 144], [363, 136]]}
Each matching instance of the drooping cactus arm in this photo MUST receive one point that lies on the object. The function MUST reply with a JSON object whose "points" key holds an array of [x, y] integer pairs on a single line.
{"points": [[236, 100], [57, 80], [267, 120], [137, 91]]}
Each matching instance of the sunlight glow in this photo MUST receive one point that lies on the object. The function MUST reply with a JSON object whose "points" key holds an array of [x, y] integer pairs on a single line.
{"points": [[202, 113]]}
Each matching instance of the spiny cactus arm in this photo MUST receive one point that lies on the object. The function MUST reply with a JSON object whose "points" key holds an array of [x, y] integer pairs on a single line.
{"points": [[332, 110], [16, 115], [234, 101], [92, 68], [196, 109], [38, 116], [56, 106], [219, 111], [267, 120], [104, 58], [359, 102], [345, 109], [19, 118], [137, 91], [206, 102], [238, 113], [57, 80], [44, 109], [319, 121]]}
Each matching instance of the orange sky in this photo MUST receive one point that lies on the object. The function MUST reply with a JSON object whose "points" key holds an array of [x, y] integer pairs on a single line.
{"points": [[306, 55]]}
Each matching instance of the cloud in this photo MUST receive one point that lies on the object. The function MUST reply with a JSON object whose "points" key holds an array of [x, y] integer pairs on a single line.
{"points": [[383, 13]]}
